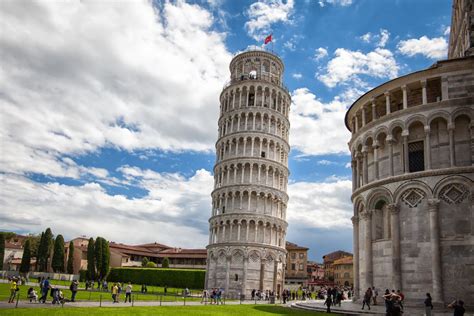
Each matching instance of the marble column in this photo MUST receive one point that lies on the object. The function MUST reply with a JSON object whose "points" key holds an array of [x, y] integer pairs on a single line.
{"points": [[206, 282], [365, 167], [275, 271], [427, 148], [436, 272], [375, 147], [367, 216], [355, 223], [387, 102], [244, 277], [423, 92], [390, 155], [374, 110], [356, 123], [354, 174], [406, 163], [227, 274], [396, 254], [359, 169], [262, 274], [364, 119], [405, 97], [452, 147]]}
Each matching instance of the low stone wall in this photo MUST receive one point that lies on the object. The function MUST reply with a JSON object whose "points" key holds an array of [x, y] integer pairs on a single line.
{"points": [[35, 275]]}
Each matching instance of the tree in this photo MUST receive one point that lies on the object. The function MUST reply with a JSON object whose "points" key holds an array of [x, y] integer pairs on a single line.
{"points": [[34, 244], [70, 258], [26, 259], [165, 263], [150, 264], [39, 252], [2, 250], [58, 255], [105, 258], [144, 262], [91, 259], [98, 256], [44, 250]]}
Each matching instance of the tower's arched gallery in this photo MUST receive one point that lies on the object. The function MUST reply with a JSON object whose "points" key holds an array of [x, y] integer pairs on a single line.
{"points": [[412, 151], [247, 228]]}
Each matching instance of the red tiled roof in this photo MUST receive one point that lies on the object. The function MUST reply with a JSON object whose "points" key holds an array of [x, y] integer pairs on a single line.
{"points": [[153, 245], [13, 245], [183, 253], [292, 246], [343, 260], [134, 250], [335, 255]]}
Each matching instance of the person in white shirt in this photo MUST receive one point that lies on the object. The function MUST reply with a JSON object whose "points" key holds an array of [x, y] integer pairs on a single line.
{"points": [[128, 292]]}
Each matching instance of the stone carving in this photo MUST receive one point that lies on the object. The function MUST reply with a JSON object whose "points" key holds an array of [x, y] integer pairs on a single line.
{"points": [[454, 193], [413, 197], [393, 208]]}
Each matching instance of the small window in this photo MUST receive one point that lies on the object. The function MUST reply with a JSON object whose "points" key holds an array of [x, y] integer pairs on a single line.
{"points": [[293, 255], [416, 157], [293, 267], [301, 255], [301, 267], [236, 277], [223, 210], [263, 154]]}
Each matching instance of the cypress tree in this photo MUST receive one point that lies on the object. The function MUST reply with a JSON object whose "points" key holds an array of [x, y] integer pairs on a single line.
{"points": [[105, 258], [45, 250], [58, 255], [26, 259], [98, 256], [70, 258], [91, 259], [2, 249], [144, 261]]}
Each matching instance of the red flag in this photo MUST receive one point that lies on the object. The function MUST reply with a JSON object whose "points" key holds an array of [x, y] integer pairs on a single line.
{"points": [[268, 39]]}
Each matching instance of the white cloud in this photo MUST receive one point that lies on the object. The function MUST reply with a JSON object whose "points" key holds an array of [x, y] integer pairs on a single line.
{"points": [[348, 65], [325, 162], [297, 76], [320, 204], [434, 48], [313, 123], [383, 38], [343, 3], [264, 13], [175, 210], [72, 84], [366, 37], [320, 52], [447, 31]]}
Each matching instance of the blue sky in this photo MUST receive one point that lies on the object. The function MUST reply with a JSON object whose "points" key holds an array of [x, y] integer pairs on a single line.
{"points": [[109, 110]]}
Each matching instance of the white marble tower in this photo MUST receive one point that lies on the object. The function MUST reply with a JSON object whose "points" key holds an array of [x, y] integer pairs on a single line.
{"points": [[247, 227]]}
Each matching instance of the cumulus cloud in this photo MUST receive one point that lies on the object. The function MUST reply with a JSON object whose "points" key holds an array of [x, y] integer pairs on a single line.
{"points": [[297, 76], [320, 204], [320, 52], [263, 14], [342, 3], [434, 48], [175, 210], [381, 39], [313, 122], [71, 85], [347, 66]]}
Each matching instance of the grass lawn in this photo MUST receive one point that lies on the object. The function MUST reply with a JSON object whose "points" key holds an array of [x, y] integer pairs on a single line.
{"points": [[92, 295], [165, 310]]}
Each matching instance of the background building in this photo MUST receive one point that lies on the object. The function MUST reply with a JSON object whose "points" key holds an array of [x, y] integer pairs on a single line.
{"points": [[296, 264], [343, 271], [412, 151], [247, 227], [328, 261]]}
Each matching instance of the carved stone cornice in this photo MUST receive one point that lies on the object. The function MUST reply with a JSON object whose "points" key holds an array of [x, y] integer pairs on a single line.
{"points": [[414, 175], [366, 215]]}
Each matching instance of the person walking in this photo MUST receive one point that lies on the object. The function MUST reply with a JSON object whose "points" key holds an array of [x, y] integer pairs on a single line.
{"points": [[375, 293], [428, 304], [45, 290], [458, 307], [205, 296], [114, 292], [328, 304], [367, 298], [402, 298], [128, 292], [13, 289], [73, 287]]}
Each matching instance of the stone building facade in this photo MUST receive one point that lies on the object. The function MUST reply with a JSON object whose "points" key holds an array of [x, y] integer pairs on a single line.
{"points": [[296, 264], [461, 37], [247, 227], [412, 151]]}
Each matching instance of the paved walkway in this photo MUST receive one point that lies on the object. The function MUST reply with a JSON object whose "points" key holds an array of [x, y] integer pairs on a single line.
{"points": [[351, 308]]}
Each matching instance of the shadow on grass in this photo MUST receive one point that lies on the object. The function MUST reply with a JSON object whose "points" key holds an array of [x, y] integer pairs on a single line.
{"points": [[279, 310]]}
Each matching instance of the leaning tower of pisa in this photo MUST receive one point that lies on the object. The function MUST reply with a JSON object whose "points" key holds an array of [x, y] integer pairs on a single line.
{"points": [[248, 225]]}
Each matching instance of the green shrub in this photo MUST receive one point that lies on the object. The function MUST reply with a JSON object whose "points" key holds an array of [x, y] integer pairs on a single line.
{"points": [[150, 264], [178, 278], [83, 275]]}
